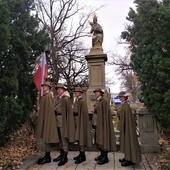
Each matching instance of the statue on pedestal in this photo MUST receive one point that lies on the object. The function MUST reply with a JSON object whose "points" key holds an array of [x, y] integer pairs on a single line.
{"points": [[97, 32]]}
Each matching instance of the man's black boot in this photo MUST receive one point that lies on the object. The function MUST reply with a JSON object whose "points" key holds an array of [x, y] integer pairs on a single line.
{"points": [[104, 160], [81, 158], [122, 160], [127, 163], [100, 156], [60, 156], [64, 159], [76, 157], [45, 159]]}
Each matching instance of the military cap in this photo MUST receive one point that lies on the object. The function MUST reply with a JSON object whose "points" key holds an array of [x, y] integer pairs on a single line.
{"points": [[123, 94], [98, 90], [78, 89], [46, 83], [60, 85]]}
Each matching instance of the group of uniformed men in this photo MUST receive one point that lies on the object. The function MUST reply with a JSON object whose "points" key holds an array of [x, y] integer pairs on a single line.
{"points": [[60, 122]]}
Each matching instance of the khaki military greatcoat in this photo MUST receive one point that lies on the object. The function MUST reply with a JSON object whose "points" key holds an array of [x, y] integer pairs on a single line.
{"points": [[128, 137], [66, 119], [83, 133], [46, 128], [105, 136]]}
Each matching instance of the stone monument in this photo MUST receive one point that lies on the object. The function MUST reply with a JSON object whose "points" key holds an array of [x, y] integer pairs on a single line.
{"points": [[148, 138], [96, 61]]}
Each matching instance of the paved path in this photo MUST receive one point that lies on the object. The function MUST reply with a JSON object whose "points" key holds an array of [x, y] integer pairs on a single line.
{"points": [[148, 163]]}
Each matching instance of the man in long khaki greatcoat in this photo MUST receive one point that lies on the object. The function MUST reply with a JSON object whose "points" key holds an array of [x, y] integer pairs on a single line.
{"points": [[128, 137], [105, 136], [46, 124], [83, 133], [65, 123]]}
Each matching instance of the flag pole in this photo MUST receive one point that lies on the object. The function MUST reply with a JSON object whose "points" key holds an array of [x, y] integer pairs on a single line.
{"points": [[42, 73]]}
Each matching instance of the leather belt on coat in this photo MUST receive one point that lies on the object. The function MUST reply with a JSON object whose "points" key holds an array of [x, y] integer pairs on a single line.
{"points": [[75, 114], [95, 112], [57, 113]]}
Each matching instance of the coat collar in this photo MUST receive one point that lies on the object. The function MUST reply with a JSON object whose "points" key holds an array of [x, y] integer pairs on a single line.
{"points": [[61, 96], [125, 101], [79, 98], [46, 93], [99, 98]]}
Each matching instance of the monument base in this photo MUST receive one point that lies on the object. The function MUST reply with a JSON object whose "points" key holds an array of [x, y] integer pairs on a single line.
{"points": [[148, 138], [96, 62], [90, 98]]}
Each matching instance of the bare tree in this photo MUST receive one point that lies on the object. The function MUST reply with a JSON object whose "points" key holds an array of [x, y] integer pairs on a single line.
{"points": [[58, 17], [74, 66], [131, 84], [128, 78], [122, 63]]}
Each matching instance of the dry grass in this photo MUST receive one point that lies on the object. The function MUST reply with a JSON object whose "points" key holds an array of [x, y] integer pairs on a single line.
{"points": [[164, 157], [22, 144]]}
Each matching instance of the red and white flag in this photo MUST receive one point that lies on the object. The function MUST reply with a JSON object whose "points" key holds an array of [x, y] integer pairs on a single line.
{"points": [[41, 74]]}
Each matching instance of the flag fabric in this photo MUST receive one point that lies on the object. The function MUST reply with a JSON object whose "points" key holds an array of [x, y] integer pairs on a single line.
{"points": [[117, 100], [41, 74]]}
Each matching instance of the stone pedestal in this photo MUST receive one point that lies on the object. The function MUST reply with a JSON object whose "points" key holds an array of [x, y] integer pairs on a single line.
{"points": [[148, 132], [96, 63]]}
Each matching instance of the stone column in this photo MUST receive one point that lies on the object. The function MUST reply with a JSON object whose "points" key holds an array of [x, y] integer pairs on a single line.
{"points": [[148, 139], [96, 64]]}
